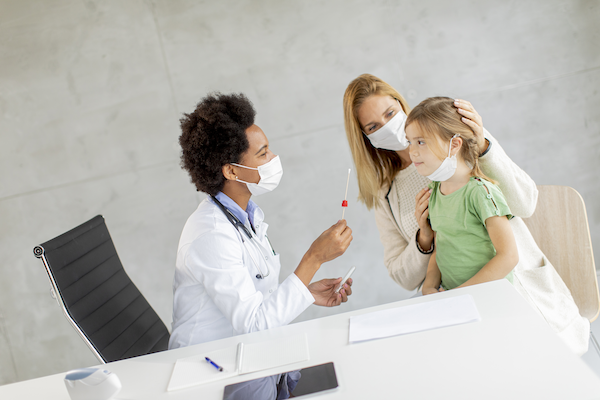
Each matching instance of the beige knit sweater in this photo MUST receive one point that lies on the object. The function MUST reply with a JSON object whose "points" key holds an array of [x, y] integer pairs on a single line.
{"points": [[535, 278]]}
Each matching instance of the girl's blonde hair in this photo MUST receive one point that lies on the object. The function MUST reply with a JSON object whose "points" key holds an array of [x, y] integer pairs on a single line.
{"points": [[438, 120], [374, 167]]}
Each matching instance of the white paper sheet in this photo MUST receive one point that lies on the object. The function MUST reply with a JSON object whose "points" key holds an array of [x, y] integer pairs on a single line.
{"points": [[259, 356], [191, 371], [415, 318]]}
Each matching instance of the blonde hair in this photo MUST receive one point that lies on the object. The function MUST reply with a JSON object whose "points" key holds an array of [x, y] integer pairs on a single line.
{"points": [[374, 167], [439, 120]]}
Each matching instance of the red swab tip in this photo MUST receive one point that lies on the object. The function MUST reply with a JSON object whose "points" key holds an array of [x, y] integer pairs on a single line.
{"points": [[345, 203]]}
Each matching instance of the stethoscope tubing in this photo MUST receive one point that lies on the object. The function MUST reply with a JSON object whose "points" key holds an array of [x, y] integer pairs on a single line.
{"points": [[238, 224]]}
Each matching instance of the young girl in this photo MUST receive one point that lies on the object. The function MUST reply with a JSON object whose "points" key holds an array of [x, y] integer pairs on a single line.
{"points": [[474, 242]]}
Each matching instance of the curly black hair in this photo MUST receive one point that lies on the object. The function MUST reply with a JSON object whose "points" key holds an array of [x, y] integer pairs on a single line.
{"points": [[214, 135]]}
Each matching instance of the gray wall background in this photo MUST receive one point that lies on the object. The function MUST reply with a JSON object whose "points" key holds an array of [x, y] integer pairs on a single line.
{"points": [[91, 93]]}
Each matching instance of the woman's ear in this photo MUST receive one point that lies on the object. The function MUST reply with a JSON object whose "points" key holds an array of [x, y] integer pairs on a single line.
{"points": [[229, 172], [457, 143]]}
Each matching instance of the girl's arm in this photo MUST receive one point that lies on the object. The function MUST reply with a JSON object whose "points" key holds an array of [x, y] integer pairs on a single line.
{"points": [[433, 279], [506, 257]]}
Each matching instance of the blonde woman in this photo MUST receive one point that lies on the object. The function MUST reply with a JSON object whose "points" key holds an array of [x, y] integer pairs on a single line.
{"points": [[374, 116]]}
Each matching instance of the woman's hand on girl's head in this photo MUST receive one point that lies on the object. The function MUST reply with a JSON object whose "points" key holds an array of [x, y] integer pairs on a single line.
{"points": [[473, 120]]}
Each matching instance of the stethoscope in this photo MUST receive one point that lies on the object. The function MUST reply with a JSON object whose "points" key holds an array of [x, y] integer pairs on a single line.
{"points": [[239, 225]]}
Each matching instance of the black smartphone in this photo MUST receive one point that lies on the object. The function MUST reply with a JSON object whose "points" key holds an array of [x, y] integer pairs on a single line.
{"points": [[291, 384]]}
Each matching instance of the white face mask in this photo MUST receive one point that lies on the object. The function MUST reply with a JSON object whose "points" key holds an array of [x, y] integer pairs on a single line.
{"points": [[270, 175], [391, 136], [448, 167]]}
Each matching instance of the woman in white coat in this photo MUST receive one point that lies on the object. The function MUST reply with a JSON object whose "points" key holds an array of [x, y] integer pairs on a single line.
{"points": [[227, 273], [374, 115]]}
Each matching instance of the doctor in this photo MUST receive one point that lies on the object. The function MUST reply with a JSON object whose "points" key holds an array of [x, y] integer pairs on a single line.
{"points": [[227, 273]]}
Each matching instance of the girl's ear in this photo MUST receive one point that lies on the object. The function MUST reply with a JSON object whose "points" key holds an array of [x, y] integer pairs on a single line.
{"points": [[456, 145]]}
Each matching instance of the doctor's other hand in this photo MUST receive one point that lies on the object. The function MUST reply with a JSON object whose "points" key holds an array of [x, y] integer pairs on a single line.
{"points": [[324, 292], [332, 243]]}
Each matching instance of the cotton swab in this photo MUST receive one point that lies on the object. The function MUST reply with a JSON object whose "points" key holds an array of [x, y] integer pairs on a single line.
{"points": [[345, 202]]}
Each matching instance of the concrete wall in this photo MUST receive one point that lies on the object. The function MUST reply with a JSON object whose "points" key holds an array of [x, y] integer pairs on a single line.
{"points": [[91, 93]]}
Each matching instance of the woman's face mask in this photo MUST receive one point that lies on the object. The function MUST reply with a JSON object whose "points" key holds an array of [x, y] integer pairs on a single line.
{"points": [[270, 176], [391, 136]]}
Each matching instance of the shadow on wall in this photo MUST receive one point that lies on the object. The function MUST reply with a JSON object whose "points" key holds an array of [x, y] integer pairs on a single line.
{"points": [[8, 367]]}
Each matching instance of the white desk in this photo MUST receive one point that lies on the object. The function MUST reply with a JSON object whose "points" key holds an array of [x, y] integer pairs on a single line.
{"points": [[510, 354]]}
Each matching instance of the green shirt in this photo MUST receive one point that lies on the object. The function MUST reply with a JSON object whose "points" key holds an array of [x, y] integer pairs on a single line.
{"points": [[463, 245]]}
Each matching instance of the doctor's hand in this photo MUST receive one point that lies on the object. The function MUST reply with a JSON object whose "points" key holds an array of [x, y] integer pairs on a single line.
{"points": [[324, 292], [332, 243]]}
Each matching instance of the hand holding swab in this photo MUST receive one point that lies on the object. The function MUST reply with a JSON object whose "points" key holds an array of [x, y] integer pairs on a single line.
{"points": [[345, 202]]}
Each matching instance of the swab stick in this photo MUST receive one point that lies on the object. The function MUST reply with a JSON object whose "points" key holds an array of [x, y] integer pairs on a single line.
{"points": [[345, 202]]}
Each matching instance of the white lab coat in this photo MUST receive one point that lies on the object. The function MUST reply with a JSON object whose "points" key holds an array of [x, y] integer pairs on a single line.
{"points": [[215, 290]]}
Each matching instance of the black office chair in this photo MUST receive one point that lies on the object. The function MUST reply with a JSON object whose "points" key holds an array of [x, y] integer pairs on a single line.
{"points": [[98, 297]]}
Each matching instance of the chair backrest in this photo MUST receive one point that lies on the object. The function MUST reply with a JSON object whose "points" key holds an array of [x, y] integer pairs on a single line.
{"points": [[97, 295], [560, 228]]}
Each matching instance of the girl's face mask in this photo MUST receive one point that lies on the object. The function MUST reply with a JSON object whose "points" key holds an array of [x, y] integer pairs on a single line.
{"points": [[448, 167]]}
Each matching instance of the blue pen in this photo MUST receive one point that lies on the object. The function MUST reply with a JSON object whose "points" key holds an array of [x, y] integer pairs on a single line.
{"points": [[211, 362]]}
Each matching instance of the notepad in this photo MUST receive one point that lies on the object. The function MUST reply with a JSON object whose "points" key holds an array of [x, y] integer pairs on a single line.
{"points": [[238, 360], [414, 318]]}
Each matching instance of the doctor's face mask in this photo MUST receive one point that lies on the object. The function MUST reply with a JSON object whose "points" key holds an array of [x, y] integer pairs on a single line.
{"points": [[270, 176]]}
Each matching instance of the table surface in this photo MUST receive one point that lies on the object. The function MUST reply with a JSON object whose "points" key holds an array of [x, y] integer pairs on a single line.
{"points": [[510, 354]]}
